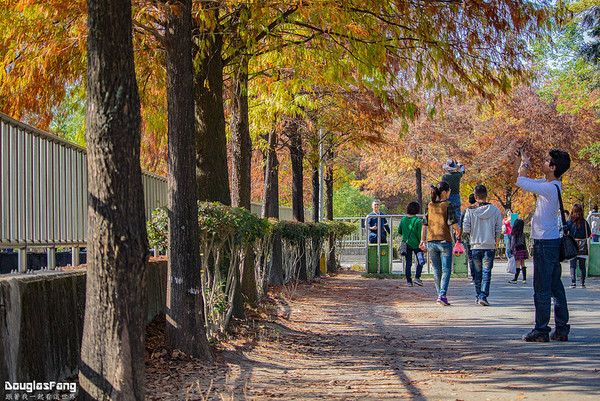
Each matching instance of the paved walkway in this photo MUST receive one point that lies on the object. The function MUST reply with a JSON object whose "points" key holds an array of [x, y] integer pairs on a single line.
{"points": [[351, 338]]}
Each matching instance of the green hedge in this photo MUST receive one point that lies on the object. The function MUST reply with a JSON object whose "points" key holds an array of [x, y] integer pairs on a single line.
{"points": [[222, 221]]}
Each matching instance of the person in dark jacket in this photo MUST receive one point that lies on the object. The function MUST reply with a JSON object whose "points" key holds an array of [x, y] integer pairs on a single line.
{"points": [[581, 231], [518, 249], [383, 226], [465, 238]]}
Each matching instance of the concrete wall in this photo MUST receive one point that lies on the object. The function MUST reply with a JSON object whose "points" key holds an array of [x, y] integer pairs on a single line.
{"points": [[42, 322]]}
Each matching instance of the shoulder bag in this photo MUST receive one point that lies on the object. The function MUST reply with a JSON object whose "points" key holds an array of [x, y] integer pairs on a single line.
{"points": [[582, 244], [568, 247]]}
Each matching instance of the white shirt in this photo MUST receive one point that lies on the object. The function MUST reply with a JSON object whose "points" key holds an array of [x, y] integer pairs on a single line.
{"points": [[544, 224]]}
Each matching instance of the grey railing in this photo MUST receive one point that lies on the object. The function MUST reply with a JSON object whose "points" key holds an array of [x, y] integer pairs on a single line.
{"points": [[360, 238], [43, 191]]}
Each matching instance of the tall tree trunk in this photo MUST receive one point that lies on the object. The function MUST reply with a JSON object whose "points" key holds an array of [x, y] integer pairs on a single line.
{"points": [[112, 350], [419, 185], [297, 159], [315, 205], [212, 175], [270, 207], [328, 206], [315, 180], [185, 307], [241, 149], [509, 194]]}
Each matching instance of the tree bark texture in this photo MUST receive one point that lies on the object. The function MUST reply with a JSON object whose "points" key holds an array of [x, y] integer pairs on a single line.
{"points": [[241, 164], [297, 159], [185, 306], [315, 180], [419, 186], [212, 175], [328, 206], [112, 351], [270, 207]]}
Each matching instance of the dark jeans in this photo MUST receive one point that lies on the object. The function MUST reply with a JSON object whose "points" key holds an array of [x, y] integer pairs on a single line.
{"points": [[483, 259], [547, 285], [408, 264], [469, 258], [573, 264]]}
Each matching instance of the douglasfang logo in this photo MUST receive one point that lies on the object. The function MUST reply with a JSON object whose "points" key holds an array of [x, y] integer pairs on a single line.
{"points": [[30, 387]]}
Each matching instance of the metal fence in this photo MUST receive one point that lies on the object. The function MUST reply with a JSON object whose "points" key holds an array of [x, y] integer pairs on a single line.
{"points": [[359, 239], [43, 191]]}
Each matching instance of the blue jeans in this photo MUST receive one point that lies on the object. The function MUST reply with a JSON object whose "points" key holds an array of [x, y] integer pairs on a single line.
{"points": [[469, 258], [507, 242], [547, 285], [483, 259], [440, 253], [455, 201], [408, 264]]}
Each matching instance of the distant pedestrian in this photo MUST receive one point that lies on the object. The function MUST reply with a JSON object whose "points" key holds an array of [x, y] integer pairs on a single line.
{"points": [[437, 238], [547, 284], [410, 228], [519, 250], [454, 172], [465, 238], [507, 230], [593, 220], [581, 231], [377, 224], [483, 224]]}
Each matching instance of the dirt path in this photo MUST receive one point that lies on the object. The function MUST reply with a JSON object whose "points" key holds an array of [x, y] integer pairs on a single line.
{"points": [[350, 338]]}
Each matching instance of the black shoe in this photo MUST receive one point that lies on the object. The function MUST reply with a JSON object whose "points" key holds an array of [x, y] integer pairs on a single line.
{"points": [[557, 337], [536, 337]]}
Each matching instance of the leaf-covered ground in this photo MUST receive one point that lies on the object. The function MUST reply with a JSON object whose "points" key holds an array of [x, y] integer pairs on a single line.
{"points": [[350, 338]]}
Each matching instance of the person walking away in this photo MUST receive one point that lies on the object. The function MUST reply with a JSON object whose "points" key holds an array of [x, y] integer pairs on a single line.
{"points": [[507, 232], [436, 237], [547, 284], [483, 224], [519, 250], [593, 220], [465, 238], [410, 229], [382, 227], [580, 230], [454, 172]]}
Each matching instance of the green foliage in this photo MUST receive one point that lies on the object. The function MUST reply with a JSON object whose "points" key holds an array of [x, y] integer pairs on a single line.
{"points": [[348, 201], [69, 116], [221, 222], [339, 229], [158, 228]]}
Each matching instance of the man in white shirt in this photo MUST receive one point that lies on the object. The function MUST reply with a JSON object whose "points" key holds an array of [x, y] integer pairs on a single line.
{"points": [[547, 283]]}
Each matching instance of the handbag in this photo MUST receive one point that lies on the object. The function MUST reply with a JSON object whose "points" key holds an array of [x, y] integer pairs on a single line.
{"points": [[512, 265], [403, 249], [459, 249], [568, 246], [582, 244]]}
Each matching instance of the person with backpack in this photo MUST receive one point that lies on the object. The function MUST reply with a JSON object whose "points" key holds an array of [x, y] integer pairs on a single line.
{"points": [[519, 250], [547, 285], [436, 237], [483, 225]]}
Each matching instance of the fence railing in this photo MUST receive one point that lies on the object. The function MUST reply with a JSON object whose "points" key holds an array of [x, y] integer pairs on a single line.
{"points": [[43, 191]]}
